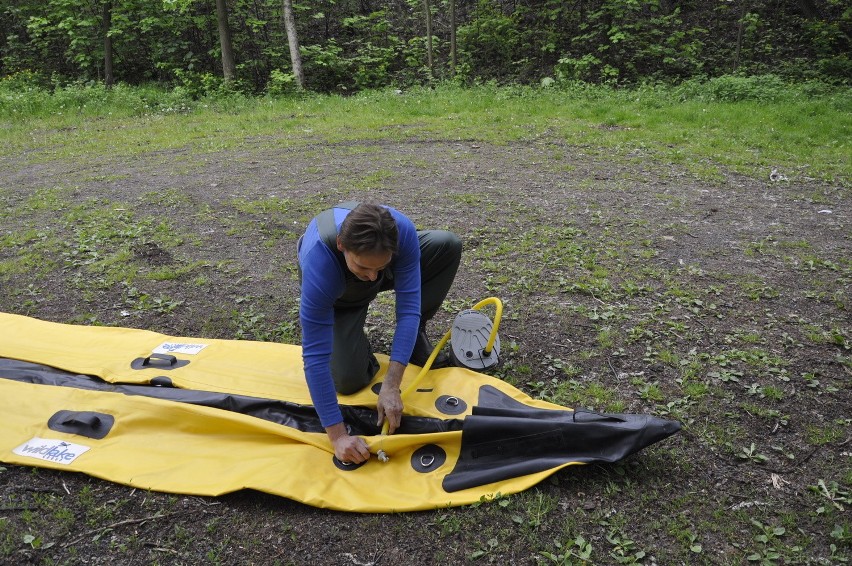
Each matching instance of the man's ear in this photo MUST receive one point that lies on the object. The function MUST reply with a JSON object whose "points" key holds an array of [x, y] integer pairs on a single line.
{"points": [[339, 245]]}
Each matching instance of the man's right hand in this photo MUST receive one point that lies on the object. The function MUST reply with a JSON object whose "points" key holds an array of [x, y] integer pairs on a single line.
{"points": [[348, 449]]}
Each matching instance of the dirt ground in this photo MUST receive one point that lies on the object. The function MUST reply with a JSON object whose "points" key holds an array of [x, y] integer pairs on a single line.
{"points": [[628, 284]]}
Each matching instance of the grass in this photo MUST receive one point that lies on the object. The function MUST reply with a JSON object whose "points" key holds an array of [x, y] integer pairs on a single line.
{"points": [[801, 134], [749, 350]]}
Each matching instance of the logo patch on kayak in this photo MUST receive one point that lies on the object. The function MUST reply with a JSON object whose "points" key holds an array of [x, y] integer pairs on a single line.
{"points": [[56, 451], [179, 348]]}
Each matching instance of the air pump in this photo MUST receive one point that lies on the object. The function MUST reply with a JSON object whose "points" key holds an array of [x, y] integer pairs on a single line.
{"points": [[474, 342]]}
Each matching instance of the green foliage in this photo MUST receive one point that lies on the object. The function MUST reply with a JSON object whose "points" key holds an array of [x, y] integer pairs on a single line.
{"points": [[733, 88], [490, 45], [23, 96], [280, 83], [628, 41], [195, 86], [350, 45], [834, 493], [18, 101], [368, 55], [374, 50], [326, 66], [576, 551]]}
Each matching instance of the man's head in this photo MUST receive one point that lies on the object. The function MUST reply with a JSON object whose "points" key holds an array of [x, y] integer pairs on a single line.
{"points": [[368, 239]]}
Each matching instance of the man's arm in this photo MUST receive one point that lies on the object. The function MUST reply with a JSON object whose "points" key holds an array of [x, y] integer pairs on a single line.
{"points": [[407, 290], [322, 281], [407, 282]]}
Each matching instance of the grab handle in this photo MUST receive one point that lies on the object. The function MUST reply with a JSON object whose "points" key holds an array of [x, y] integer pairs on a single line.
{"points": [[84, 423], [158, 361]]}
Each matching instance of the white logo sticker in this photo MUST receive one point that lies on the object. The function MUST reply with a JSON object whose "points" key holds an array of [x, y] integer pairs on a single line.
{"points": [[178, 348], [56, 451]]}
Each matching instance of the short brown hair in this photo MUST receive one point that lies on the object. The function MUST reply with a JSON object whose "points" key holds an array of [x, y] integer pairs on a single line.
{"points": [[369, 228]]}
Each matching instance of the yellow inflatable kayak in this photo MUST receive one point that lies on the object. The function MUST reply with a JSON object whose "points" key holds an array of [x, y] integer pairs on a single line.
{"points": [[207, 417]]}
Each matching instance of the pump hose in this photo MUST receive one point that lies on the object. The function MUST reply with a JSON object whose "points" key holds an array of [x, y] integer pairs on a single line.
{"points": [[498, 305]]}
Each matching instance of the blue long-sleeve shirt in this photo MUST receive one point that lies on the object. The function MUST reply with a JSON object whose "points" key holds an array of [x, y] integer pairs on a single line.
{"points": [[324, 281]]}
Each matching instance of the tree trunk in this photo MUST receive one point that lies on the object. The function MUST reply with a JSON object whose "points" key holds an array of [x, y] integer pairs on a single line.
{"points": [[739, 38], [107, 25], [453, 37], [293, 40], [429, 38], [229, 69]]}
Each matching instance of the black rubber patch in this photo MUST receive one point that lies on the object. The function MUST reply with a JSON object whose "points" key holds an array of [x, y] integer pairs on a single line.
{"points": [[158, 361], [428, 458], [376, 388], [84, 423], [346, 467], [161, 381], [450, 405]]}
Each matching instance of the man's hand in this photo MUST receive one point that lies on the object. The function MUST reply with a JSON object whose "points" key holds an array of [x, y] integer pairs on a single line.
{"points": [[389, 405], [347, 448]]}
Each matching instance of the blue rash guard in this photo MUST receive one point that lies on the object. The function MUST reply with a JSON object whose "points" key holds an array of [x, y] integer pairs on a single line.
{"points": [[324, 281]]}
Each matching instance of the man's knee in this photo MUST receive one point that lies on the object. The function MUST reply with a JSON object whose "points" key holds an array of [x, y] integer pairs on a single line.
{"points": [[446, 241], [453, 244], [440, 247], [352, 377]]}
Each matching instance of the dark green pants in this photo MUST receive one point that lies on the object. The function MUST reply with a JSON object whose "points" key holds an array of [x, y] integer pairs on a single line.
{"points": [[353, 364]]}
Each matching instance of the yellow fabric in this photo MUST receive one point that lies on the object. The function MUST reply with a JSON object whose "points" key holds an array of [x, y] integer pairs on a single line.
{"points": [[180, 448]]}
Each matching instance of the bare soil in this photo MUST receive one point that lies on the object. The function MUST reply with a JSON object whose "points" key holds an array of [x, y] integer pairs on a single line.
{"points": [[629, 284]]}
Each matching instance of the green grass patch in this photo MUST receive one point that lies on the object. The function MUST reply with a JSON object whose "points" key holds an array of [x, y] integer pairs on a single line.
{"points": [[802, 130]]}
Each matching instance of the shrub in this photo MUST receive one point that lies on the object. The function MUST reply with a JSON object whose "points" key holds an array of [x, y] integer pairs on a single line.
{"points": [[734, 88]]}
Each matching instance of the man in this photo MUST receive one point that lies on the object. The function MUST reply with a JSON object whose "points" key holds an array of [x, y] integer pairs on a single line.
{"points": [[347, 255]]}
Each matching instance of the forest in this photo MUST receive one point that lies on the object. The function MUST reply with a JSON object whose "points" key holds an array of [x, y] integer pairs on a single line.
{"points": [[344, 46]]}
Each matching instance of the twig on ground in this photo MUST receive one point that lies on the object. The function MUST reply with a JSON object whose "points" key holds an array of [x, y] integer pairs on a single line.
{"points": [[615, 373], [795, 464], [118, 524], [35, 489]]}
